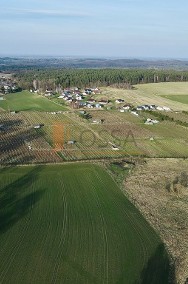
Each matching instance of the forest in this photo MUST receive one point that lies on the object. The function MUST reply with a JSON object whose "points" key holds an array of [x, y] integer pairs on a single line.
{"points": [[123, 78]]}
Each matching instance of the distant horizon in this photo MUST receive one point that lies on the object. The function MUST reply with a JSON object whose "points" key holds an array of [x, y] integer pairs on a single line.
{"points": [[90, 57], [127, 28]]}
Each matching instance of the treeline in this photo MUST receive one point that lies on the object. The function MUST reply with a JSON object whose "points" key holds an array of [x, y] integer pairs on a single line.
{"points": [[125, 78]]}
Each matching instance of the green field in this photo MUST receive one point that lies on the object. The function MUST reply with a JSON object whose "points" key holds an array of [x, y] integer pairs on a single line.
{"points": [[177, 98], [165, 88], [25, 100], [72, 224], [154, 93]]}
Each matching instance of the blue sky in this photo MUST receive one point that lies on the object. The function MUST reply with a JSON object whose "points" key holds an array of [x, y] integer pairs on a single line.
{"points": [[119, 28]]}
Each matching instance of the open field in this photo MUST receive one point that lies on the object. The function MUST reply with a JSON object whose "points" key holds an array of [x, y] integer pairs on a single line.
{"points": [[65, 136], [21, 143], [152, 94], [177, 98], [26, 101], [159, 188], [134, 137], [58, 229]]}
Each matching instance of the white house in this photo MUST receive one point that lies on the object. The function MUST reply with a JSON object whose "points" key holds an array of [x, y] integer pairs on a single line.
{"points": [[150, 121], [139, 108], [166, 108], [134, 112], [126, 107], [159, 108]]}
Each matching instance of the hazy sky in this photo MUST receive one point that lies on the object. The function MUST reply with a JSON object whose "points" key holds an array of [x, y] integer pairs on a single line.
{"points": [[120, 28]]}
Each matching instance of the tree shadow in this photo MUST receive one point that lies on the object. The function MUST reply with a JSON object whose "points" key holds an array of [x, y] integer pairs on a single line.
{"points": [[14, 141], [6, 125], [16, 202], [158, 270]]}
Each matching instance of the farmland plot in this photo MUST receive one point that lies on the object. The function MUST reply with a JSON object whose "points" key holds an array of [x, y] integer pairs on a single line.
{"points": [[58, 229], [166, 139], [65, 136], [153, 94], [26, 101], [20, 143]]}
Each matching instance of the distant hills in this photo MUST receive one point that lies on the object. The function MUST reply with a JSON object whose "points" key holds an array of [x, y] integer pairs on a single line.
{"points": [[17, 63]]}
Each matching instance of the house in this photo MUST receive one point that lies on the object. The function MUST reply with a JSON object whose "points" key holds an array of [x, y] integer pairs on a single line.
{"points": [[150, 121], [103, 102], [98, 106], [126, 107], [88, 91], [48, 93], [146, 107], [139, 108], [37, 126], [96, 121], [91, 100], [96, 91], [114, 147], [71, 142], [119, 101], [90, 105], [159, 108], [166, 108], [82, 112], [82, 104], [134, 112]]}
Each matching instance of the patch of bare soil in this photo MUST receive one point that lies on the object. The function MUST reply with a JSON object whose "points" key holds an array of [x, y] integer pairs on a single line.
{"points": [[159, 188]]}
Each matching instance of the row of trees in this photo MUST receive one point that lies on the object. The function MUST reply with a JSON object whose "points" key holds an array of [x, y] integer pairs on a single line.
{"points": [[125, 78]]}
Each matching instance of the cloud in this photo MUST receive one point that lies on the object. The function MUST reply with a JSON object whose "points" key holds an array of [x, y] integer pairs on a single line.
{"points": [[47, 12]]}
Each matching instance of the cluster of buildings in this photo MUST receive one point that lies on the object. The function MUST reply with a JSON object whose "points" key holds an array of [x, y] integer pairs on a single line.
{"points": [[84, 98], [152, 107], [128, 107], [7, 86]]}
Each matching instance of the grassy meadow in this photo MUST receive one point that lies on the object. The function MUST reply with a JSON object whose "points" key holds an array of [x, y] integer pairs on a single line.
{"points": [[72, 224], [155, 93], [177, 98], [26, 101]]}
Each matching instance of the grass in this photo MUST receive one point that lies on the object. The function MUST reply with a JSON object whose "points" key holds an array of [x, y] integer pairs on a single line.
{"points": [[72, 224], [177, 98], [166, 208], [166, 88], [25, 100], [154, 93]]}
